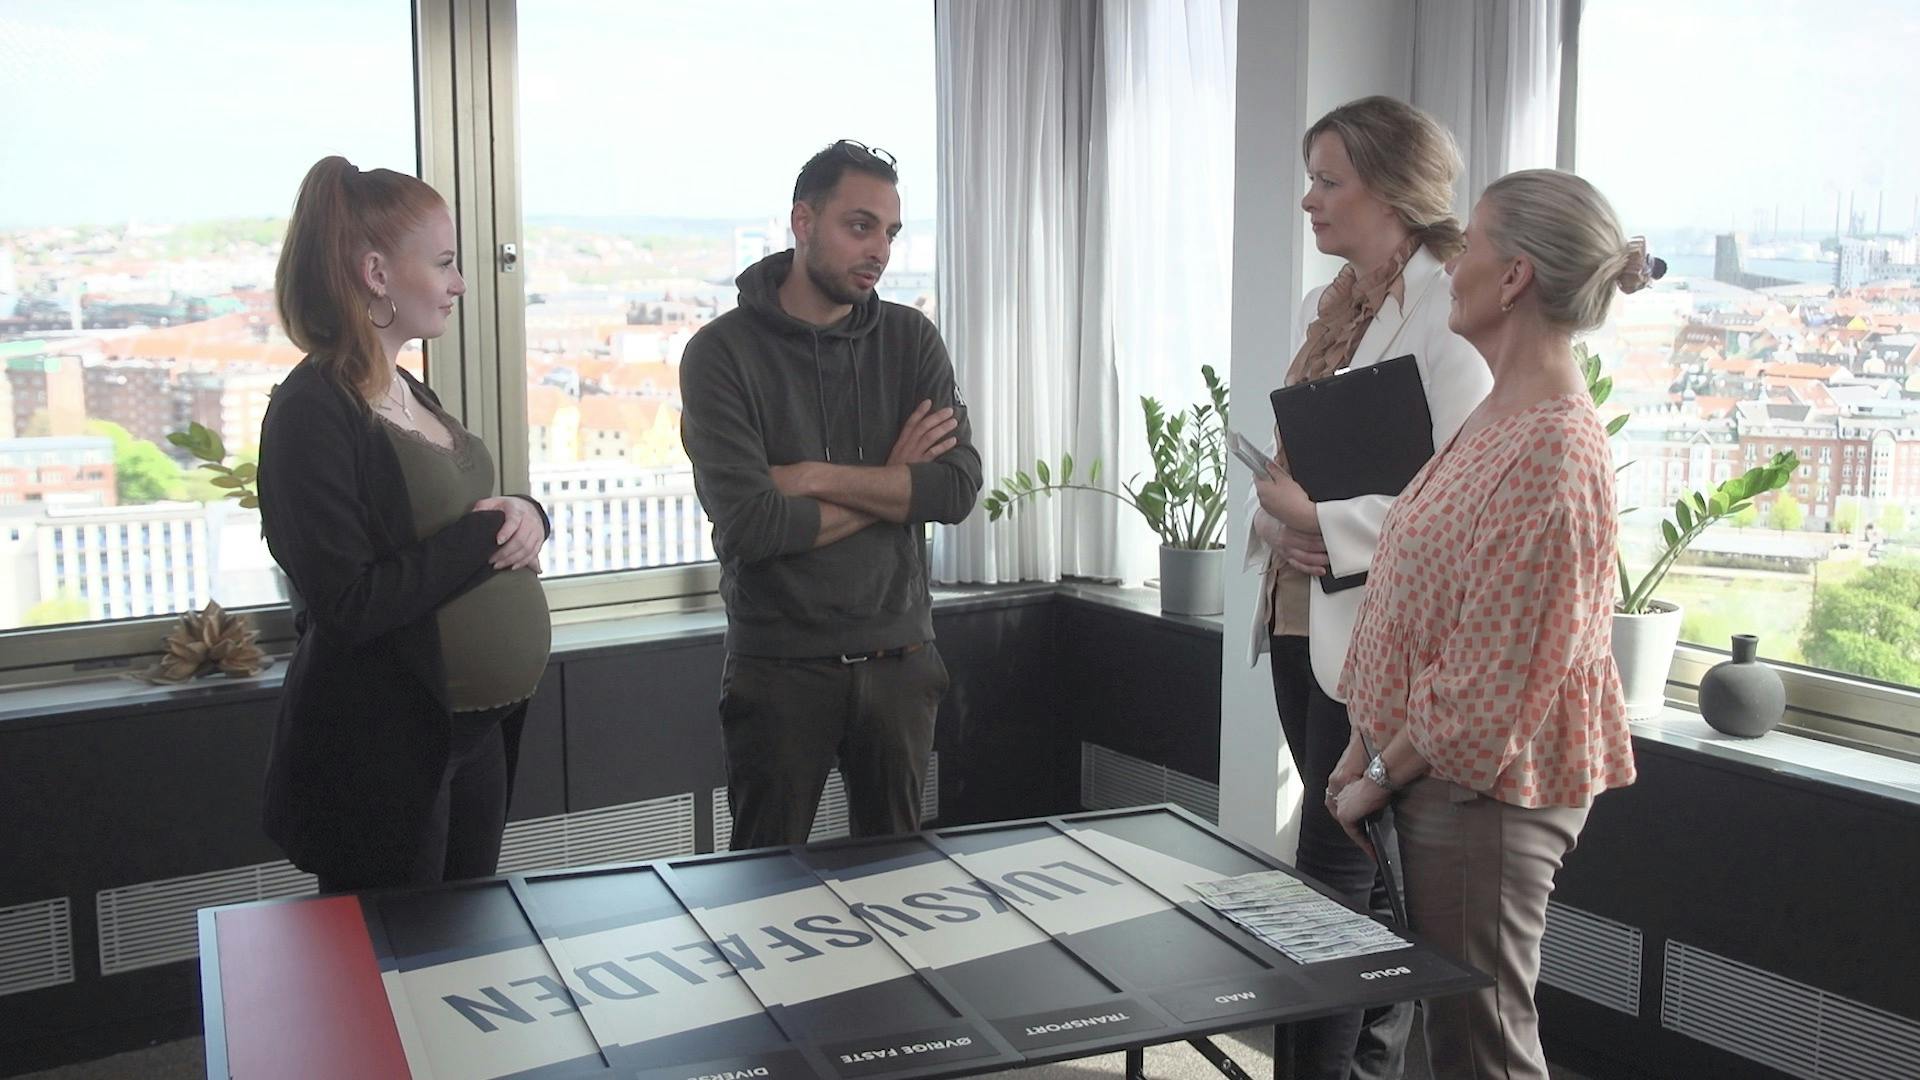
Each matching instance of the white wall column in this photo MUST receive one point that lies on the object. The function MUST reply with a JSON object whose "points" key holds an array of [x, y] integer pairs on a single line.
{"points": [[1297, 59]]}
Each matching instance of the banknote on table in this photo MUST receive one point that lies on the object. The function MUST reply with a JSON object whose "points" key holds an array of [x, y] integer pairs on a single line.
{"points": [[1291, 916]]}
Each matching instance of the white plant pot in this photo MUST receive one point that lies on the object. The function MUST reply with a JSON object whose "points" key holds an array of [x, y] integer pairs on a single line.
{"points": [[1643, 650], [1192, 582]]}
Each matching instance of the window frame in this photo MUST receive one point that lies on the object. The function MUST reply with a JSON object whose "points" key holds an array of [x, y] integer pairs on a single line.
{"points": [[78, 650], [465, 97], [1823, 704], [501, 367], [466, 86]]}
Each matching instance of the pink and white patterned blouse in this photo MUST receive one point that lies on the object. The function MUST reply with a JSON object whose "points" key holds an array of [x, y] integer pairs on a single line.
{"points": [[1487, 628]]}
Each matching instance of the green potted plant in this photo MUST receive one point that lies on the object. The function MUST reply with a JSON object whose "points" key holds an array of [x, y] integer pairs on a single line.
{"points": [[204, 443], [1185, 502], [1647, 630], [239, 481]]}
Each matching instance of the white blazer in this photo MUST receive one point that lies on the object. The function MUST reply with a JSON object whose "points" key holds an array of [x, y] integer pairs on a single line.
{"points": [[1455, 378]]}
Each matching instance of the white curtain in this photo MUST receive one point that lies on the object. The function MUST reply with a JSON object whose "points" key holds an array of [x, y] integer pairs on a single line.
{"points": [[1015, 118], [1490, 71], [1086, 156], [1169, 88]]}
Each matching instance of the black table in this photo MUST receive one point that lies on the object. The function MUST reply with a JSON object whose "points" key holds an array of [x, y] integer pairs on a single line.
{"points": [[944, 953]]}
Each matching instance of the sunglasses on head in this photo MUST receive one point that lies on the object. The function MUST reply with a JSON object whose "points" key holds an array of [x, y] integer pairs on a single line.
{"points": [[859, 150]]}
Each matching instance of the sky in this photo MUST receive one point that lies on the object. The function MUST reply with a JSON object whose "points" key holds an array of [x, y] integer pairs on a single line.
{"points": [[111, 109], [1694, 113], [676, 108], [708, 108], [1708, 113]]}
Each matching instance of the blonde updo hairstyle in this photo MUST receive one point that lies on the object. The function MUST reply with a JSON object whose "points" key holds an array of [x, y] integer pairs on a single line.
{"points": [[1406, 159], [1568, 230]]}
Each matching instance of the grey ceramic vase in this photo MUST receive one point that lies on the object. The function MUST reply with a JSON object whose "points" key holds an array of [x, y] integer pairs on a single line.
{"points": [[1742, 696]]}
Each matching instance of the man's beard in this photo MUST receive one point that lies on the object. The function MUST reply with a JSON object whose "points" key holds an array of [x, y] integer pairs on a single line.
{"points": [[833, 288]]}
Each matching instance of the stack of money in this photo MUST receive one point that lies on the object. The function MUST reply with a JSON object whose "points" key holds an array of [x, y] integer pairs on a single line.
{"points": [[1289, 915]]}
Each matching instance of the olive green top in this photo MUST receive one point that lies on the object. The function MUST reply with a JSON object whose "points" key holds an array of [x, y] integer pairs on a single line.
{"points": [[494, 637]]}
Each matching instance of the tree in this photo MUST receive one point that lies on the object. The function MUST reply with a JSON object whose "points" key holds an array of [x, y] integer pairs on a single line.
{"points": [[1869, 625], [1893, 520], [143, 473], [1846, 517], [1746, 517], [1786, 514], [61, 607]]}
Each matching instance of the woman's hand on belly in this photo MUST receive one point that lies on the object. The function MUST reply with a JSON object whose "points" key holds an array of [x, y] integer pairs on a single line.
{"points": [[520, 537]]}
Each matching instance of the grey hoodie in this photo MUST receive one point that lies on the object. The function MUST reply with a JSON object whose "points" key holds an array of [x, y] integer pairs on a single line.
{"points": [[760, 388]]}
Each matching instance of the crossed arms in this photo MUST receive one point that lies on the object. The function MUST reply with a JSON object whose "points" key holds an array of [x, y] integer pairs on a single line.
{"points": [[853, 497], [762, 510]]}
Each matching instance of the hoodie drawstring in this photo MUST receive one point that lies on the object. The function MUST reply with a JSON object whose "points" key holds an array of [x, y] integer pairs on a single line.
{"points": [[859, 407], [820, 393]]}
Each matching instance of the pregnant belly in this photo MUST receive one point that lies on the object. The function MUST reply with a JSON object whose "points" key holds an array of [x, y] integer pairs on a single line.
{"points": [[494, 641]]}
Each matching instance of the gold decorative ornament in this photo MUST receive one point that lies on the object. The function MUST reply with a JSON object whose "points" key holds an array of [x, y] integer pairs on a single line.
{"points": [[208, 641]]}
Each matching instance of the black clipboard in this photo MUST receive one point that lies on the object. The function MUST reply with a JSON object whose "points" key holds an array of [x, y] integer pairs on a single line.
{"points": [[1362, 431], [1379, 829], [1377, 834]]}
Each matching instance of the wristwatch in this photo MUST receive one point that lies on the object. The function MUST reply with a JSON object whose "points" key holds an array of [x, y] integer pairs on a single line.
{"points": [[1377, 772]]}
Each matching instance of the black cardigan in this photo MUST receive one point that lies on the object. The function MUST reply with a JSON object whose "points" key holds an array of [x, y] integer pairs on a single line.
{"points": [[363, 732]]}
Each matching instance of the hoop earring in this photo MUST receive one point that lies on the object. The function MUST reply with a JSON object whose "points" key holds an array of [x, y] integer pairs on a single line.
{"points": [[393, 312], [1506, 306]]}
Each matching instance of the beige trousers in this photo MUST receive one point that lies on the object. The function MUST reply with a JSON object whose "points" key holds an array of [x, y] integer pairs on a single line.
{"points": [[1478, 872]]}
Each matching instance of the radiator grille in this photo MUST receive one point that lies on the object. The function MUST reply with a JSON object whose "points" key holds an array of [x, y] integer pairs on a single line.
{"points": [[36, 946], [1594, 957], [1787, 1025], [153, 923], [1110, 780], [650, 829]]}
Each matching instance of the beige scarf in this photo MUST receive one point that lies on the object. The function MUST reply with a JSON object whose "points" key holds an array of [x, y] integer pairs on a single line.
{"points": [[1347, 308]]}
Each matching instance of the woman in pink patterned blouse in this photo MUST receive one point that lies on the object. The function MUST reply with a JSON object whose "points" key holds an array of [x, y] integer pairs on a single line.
{"points": [[1481, 665]]}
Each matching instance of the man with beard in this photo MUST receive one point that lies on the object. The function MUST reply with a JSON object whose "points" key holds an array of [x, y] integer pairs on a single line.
{"points": [[825, 430]]}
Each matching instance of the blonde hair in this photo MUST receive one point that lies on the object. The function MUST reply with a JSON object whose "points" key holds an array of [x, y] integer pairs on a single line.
{"points": [[1570, 233], [341, 214], [1405, 158]]}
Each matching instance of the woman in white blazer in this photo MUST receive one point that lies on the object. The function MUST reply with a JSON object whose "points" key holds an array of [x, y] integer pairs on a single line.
{"points": [[1380, 195]]}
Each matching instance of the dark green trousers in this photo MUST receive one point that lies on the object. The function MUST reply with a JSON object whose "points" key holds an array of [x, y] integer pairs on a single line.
{"points": [[787, 722]]}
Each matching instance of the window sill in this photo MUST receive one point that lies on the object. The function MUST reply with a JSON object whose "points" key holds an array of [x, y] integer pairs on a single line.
{"points": [[1139, 602], [1780, 754], [1785, 756], [574, 638]]}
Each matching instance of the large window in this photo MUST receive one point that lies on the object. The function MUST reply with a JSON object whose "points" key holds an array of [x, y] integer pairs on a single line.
{"points": [[646, 155], [639, 155], [153, 153], [1770, 152], [658, 148]]}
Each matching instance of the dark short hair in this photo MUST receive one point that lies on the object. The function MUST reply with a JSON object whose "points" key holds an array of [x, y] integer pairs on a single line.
{"points": [[822, 172]]}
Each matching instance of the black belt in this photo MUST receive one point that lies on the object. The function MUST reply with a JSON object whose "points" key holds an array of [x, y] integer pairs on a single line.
{"points": [[879, 654]]}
